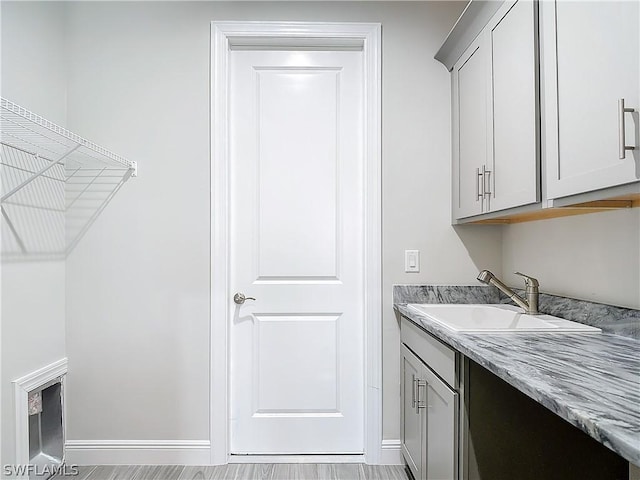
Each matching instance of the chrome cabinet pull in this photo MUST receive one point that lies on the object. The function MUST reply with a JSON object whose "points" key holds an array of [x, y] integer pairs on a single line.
{"points": [[239, 298], [420, 403], [621, 133], [479, 184], [486, 187], [413, 391]]}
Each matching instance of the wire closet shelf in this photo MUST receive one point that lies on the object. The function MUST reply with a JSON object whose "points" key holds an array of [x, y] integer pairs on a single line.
{"points": [[54, 184]]}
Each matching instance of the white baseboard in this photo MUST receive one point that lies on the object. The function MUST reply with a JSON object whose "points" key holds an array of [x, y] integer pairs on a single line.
{"points": [[296, 458], [138, 452], [195, 452], [390, 453]]}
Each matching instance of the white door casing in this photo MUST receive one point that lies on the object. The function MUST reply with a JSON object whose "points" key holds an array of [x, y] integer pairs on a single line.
{"points": [[296, 229], [346, 38]]}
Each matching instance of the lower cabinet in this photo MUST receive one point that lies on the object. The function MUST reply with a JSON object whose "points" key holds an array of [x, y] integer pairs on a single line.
{"points": [[461, 422], [414, 420], [442, 430], [429, 427]]}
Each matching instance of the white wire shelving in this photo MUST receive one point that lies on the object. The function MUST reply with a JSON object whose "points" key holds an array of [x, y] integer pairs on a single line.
{"points": [[54, 184]]}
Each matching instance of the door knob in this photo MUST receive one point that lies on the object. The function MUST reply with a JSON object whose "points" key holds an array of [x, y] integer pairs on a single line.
{"points": [[239, 298]]}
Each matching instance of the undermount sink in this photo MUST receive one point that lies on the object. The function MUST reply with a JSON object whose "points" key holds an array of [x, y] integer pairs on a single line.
{"points": [[496, 319]]}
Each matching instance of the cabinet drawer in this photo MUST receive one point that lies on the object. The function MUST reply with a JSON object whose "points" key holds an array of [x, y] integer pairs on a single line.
{"points": [[440, 358]]}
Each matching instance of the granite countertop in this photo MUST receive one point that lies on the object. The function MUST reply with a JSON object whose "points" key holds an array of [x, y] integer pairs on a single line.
{"points": [[590, 380]]}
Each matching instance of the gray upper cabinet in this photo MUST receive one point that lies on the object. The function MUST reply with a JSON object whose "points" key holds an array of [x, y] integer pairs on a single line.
{"points": [[495, 115], [470, 134], [590, 60], [514, 105]]}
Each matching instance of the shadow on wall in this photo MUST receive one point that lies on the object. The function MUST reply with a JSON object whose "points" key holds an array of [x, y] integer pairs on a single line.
{"points": [[48, 206], [54, 185], [32, 213], [484, 245]]}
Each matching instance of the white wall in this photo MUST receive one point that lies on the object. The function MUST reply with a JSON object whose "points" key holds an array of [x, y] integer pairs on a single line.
{"points": [[34, 57], [33, 309], [593, 257], [138, 291]]}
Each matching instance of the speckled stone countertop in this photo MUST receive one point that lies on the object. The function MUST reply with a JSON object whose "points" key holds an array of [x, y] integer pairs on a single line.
{"points": [[590, 380]]}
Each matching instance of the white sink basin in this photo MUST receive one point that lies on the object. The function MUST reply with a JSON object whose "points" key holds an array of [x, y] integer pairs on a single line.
{"points": [[496, 319]]}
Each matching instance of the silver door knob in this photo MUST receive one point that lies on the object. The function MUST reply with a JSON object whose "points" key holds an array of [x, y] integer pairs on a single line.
{"points": [[239, 298]]}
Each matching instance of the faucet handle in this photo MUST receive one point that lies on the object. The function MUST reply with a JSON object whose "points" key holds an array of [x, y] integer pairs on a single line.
{"points": [[529, 281]]}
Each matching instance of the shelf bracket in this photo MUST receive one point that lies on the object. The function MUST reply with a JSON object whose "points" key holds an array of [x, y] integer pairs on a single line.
{"points": [[39, 173]]}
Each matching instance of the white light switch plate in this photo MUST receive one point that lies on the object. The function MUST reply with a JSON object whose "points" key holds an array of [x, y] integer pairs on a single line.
{"points": [[412, 260]]}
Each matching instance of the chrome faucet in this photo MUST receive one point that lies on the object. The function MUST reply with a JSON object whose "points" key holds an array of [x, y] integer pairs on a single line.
{"points": [[530, 305]]}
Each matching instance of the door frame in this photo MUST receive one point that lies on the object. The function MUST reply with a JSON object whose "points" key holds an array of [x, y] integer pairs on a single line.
{"points": [[225, 36]]}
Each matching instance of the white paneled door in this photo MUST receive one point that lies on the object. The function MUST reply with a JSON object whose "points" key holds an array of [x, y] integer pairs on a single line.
{"points": [[297, 247]]}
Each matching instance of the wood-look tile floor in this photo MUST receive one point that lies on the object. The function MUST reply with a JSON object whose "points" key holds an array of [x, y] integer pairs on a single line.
{"points": [[254, 471]]}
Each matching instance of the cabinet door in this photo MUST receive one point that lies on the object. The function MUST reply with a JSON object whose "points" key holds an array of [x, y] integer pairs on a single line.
{"points": [[413, 423], [442, 421], [514, 161], [591, 59], [470, 123]]}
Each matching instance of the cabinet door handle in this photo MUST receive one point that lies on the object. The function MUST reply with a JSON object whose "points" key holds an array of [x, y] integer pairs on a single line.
{"points": [[479, 184], [486, 187], [413, 391], [621, 133], [421, 403]]}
